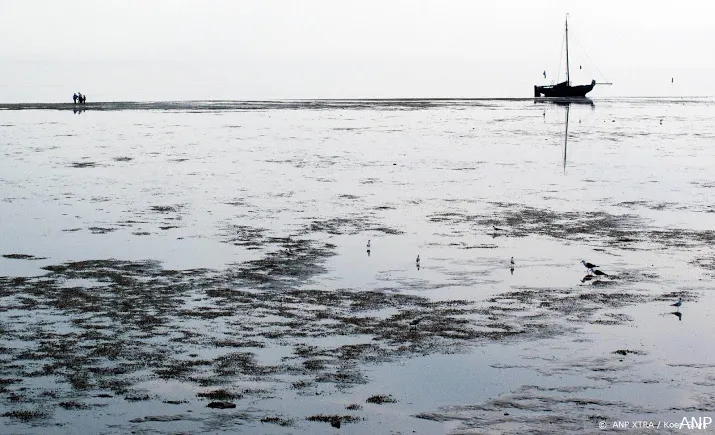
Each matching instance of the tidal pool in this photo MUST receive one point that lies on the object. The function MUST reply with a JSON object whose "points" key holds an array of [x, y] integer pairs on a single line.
{"points": [[203, 266]]}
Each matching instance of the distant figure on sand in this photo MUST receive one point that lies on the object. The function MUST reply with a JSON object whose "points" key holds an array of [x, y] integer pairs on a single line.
{"points": [[84, 99], [74, 98]]}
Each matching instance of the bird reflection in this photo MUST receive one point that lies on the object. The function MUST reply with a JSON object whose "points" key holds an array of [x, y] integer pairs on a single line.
{"points": [[588, 277], [368, 252], [511, 269], [678, 314]]}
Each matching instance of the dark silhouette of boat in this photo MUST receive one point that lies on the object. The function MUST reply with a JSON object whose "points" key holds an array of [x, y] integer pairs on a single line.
{"points": [[564, 89]]}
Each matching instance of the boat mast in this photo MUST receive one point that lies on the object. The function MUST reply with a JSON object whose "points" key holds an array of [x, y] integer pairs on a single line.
{"points": [[568, 77]]}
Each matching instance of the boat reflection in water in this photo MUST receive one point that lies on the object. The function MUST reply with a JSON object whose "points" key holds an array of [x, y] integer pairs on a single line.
{"points": [[566, 103], [566, 133]]}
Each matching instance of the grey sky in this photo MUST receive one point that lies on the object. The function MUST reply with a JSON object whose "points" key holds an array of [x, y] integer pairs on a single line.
{"points": [[161, 49]]}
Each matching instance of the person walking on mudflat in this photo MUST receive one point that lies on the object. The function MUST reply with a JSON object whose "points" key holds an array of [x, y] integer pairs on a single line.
{"points": [[74, 98]]}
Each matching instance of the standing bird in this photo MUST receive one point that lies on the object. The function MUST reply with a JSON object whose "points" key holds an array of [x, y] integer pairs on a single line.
{"points": [[588, 265], [368, 244], [678, 304], [415, 322], [497, 232], [512, 261], [418, 259]]}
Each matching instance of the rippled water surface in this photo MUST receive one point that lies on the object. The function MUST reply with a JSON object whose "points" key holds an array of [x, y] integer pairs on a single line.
{"points": [[158, 258]]}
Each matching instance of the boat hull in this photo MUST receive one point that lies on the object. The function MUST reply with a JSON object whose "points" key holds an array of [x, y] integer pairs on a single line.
{"points": [[563, 90]]}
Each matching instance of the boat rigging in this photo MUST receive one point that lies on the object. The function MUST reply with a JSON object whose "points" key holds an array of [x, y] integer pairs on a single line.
{"points": [[564, 89]]}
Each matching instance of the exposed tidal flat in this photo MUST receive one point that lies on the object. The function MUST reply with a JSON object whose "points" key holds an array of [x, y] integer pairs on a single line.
{"points": [[203, 266]]}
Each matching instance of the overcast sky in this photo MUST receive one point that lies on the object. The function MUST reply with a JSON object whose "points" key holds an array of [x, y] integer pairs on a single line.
{"points": [[220, 49]]}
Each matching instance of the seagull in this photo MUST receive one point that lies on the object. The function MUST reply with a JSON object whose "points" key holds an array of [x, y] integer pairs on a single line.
{"points": [[418, 259], [599, 273], [588, 265], [512, 261], [416, 321], [678, 304], [497, 229], [368, 244]]}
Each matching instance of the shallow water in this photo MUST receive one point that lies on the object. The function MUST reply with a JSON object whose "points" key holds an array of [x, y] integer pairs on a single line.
{"points": [[230, 240]]}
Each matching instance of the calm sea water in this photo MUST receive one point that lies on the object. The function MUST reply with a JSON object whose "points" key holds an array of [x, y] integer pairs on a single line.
{"points": [[175, 182]]}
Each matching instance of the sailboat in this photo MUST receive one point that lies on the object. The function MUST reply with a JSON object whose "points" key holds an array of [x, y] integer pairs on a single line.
{"points": [[564, 89]]}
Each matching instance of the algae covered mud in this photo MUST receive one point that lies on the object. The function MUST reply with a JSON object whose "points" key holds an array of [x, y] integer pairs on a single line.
{"points": [[204, 267]]}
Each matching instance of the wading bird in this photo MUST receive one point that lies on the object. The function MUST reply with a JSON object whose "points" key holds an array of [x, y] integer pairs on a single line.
{"points": [[415, 322], [588, 265]]}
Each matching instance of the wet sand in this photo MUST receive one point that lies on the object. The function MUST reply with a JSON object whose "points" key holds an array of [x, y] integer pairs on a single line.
{"points": [[202, 266]]}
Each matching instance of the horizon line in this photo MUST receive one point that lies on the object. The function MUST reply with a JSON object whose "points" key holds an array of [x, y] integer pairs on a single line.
{"points": [[13, 105]]}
